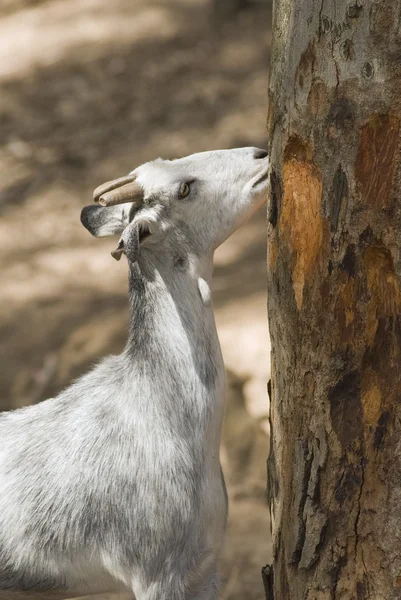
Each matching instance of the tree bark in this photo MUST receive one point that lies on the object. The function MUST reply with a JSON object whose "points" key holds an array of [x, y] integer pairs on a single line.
{"points": [[334, 265]]}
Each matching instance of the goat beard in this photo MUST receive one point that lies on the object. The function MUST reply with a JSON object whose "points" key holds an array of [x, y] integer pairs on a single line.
{"points": [[129, 243]]}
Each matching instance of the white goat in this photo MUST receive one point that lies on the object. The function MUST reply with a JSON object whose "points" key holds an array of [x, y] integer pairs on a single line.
{"points": [[116, 483]]}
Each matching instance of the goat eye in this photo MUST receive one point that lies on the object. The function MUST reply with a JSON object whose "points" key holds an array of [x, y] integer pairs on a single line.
{"points": [[184, 190]]}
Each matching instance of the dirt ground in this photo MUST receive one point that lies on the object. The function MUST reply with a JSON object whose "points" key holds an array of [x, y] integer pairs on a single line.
{"points": [[89, 90]]}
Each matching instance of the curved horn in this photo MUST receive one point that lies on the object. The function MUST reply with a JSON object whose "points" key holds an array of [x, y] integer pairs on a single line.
{"points": [[111, 185], [118, 191]]}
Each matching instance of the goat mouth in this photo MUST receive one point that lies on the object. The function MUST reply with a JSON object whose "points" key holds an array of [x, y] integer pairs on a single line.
{"points": [[144, 232], [261, 179]]}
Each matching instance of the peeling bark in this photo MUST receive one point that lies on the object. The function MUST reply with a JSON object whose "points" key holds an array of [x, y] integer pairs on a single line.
{"points": [[334, 286]]}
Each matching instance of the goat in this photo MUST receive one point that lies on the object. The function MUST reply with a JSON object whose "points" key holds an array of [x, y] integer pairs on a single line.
{"points": [[116, 484]]}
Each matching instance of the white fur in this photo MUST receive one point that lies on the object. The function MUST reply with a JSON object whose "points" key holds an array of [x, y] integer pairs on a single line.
{"points": [[116, 483]]}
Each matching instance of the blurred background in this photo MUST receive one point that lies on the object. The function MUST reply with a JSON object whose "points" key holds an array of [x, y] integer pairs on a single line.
{"points": [[89, 90]]}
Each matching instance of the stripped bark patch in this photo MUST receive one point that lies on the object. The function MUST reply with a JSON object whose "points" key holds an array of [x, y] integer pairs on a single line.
{"points": [[383, 282], [376, 159], [297, 149], [371, 397], [300, 220]]}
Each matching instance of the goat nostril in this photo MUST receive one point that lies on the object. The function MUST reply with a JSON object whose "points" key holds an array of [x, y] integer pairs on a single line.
{"points": [[260, 154]]}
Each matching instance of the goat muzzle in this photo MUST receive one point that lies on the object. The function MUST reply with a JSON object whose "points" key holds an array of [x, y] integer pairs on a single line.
{"points": [[119, 191]]}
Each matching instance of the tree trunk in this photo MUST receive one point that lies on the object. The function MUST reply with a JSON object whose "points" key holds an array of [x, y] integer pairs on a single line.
{"points": [[334, 266]]}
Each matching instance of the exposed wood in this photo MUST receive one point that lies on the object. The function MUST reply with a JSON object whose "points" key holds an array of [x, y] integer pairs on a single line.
{"points": [[335, 299]]}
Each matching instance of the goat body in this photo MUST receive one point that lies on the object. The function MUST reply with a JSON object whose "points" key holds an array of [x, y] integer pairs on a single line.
{"points": [[116, 483]]}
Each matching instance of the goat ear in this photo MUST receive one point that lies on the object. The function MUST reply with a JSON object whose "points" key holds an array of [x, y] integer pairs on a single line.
{"points": [[101, 222]]}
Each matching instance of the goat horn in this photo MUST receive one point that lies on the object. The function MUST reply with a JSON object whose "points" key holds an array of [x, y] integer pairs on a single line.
{"points": [[111, 185], [118, 191]]}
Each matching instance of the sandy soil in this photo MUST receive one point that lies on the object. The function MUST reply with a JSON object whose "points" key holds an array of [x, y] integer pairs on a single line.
{"points": [[89, 90]]}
